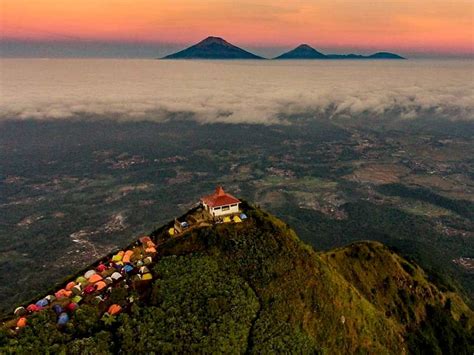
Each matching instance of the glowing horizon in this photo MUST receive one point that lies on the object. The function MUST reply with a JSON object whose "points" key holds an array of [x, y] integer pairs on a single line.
{"points": [[430, 26]]}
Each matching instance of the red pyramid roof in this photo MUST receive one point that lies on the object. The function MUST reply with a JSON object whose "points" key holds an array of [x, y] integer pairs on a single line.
{"points": [[219, 198]]}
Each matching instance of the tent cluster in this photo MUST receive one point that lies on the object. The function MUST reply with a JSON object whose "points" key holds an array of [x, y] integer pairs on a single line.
{"points": [[182, 226], [95, 285], [232, 219]]}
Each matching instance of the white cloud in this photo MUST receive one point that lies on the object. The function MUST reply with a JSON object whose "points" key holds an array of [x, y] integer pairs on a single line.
{"points": [[236, 92]]}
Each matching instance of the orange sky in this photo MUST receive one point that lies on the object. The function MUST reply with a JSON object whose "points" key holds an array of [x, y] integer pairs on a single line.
{"points": [[423, 25]]}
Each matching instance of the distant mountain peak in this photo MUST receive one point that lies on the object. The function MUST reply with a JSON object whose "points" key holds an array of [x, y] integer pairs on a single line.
{"points": [[213, 39], [304, 46], [303, 51], [213, 48]]}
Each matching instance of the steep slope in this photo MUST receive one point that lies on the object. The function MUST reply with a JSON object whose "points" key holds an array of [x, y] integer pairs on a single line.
{"points": [[213, 48], [303, 51], [254, 287]]}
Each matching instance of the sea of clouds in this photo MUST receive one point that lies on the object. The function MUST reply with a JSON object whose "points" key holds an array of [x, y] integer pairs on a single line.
{"points": [[235, 92]]}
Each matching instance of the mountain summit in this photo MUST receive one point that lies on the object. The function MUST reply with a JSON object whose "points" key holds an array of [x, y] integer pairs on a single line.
{"points": [[245, 284], [303, 51], [213, 48]]}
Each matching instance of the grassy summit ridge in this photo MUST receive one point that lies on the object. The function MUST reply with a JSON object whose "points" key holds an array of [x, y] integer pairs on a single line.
{"points": [[255, 287]]}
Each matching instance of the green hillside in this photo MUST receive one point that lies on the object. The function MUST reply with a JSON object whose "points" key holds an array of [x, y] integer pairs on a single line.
{"points": [[254, 287]]}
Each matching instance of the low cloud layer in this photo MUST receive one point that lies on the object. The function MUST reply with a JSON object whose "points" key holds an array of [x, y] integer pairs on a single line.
{"points": [[235, 92]]}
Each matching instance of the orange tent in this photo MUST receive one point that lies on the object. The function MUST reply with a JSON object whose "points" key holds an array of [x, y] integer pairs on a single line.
{"points": [[114, 309], [100, 285], [127, 256], [94, 278], [62, 293], [150, 250], [70, 286], [150, 244], [21, 322]]}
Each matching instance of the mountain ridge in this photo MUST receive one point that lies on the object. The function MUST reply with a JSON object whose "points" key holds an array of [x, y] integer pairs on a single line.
{"points": [[256, 287], [214, 48], [305, 51]]}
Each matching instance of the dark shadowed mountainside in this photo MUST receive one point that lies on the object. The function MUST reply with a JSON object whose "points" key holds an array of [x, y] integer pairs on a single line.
{"points": [[213, 48]]}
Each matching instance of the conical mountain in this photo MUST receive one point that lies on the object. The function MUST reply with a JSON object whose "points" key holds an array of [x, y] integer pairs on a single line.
{"points": [[303, 51], [213, 48]]}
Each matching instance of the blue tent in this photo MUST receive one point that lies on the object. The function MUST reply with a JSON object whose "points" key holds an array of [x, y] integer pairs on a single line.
{"points": [[42, 303], [63, 319], [128, 268], [58, 309], [243, 216]]}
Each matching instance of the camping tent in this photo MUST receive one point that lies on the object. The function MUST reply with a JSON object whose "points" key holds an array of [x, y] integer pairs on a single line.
{"points": [[81, 280], [117, 257], [114, 309], [76, 299], [94, 278], [62, 293], [144, 270], [70, 286], [128, 268], [101, 268], [127, 257], [98, 299], [89, 289], [50, 298], [150, 250], [100, 285], [21, 322], [108, 280], [33, 308], [116, 276], [89, 273], [20, 311], [42, 303], [63, 319], [71, 307], [146, 277], [77, 290]]}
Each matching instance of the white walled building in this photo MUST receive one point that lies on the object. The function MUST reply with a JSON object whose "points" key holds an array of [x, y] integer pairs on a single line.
{"points": [[220, 203]]}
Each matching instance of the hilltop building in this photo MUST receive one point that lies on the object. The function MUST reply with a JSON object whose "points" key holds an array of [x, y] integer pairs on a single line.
{"points": [[220, 203]]}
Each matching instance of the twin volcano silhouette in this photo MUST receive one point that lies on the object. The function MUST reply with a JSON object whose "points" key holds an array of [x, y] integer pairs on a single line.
{"points": [[218, 48]]}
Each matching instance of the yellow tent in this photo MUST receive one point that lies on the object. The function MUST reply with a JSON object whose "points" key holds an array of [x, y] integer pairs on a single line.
{"points": [[147, 276], [237, 219], [117, 257], [226, 219], [171, 231]]}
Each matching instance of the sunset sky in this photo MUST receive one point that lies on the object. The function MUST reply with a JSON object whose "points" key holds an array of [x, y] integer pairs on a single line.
{"points": [[407, 26]]}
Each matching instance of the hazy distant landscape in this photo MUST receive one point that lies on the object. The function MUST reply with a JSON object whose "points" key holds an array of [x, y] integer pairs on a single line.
{"points": [[96, 152]]}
